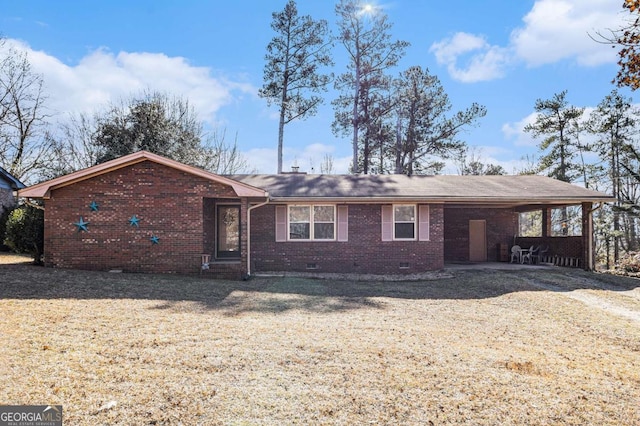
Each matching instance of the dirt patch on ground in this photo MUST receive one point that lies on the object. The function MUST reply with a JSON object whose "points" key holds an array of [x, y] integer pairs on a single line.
{"points": [[593, 293], [14, 259], [481, 347]]}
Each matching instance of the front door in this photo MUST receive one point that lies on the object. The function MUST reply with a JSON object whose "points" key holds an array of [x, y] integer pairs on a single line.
{"points": [[477, 240], [228, 232]]}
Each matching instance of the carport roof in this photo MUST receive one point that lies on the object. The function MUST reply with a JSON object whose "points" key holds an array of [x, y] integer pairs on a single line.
{"points": [[507, 190]]}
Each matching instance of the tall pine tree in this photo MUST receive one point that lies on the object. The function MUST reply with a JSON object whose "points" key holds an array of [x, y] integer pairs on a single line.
{"points": [[292, 74], [556, 123], [615, 125], [364, 33], [423, 131]]}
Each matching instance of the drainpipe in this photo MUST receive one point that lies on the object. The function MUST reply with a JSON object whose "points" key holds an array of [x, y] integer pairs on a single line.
{"points": [[249, 232]]}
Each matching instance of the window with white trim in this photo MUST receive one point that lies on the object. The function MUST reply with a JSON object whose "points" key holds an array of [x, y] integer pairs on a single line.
{"points": [[404, 222], [312, 222]]}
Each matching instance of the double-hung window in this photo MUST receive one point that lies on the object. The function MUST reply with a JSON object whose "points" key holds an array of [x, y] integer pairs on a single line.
{"points": [[312, 222], [299, 222], [404, 222]]}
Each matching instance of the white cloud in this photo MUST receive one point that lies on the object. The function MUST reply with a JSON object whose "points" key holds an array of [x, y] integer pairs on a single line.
{"points": [[307, 158], [552, 30], [515, 131], [561, 29], [102, 77], [448, 50], [485, 62], [310, 157], [262, 160], [488, 154]]}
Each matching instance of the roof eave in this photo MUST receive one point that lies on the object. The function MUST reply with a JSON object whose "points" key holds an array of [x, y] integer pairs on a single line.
{"points": [[43, 190], [446, 200]]}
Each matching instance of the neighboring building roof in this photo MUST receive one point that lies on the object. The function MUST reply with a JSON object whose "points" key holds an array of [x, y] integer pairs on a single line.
{"points": [[504, 190], [43, 190], [8, 181]]}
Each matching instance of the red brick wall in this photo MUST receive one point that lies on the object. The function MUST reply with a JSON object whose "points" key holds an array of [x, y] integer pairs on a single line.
{"points": [[502, 225], [365, 252], [168, 202], [558, 246]]}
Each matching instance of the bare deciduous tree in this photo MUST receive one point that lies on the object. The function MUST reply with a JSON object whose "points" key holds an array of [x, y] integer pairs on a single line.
{"points": [[221, 157], [23, 118], [470, 162], [72, 146], [326, 166]]}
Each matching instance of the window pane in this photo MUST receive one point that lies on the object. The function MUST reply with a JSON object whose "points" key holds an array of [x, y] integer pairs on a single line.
{"points": [[323, 231], [566, 221], [405, 213], [530, 224], [299, 214], [405, 230], [299, 231], [323, 214]]}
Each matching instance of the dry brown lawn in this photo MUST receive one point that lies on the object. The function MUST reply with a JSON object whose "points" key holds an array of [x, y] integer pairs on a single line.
{"points": [[556, 347]]}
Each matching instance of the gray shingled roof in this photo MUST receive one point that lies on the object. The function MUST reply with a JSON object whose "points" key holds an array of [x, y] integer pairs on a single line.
{"points": [[445, 188], [8, 181]]}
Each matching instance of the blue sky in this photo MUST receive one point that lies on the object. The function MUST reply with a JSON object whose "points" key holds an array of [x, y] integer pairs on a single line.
{"points": [[501, 54]]}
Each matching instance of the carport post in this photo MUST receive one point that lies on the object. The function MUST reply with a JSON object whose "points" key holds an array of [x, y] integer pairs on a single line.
{"points": [[546, 222], [587, 235]]}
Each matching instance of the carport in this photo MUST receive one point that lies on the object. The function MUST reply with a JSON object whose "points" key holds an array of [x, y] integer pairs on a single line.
{"points": [[484, 227]]}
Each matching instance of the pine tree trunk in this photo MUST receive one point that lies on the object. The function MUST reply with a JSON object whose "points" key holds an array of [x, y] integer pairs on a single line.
{"points": [[398, 169], [280, 139]]}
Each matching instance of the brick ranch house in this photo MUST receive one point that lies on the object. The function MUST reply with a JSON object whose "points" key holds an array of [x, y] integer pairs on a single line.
{"points": [[146, 213]]}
